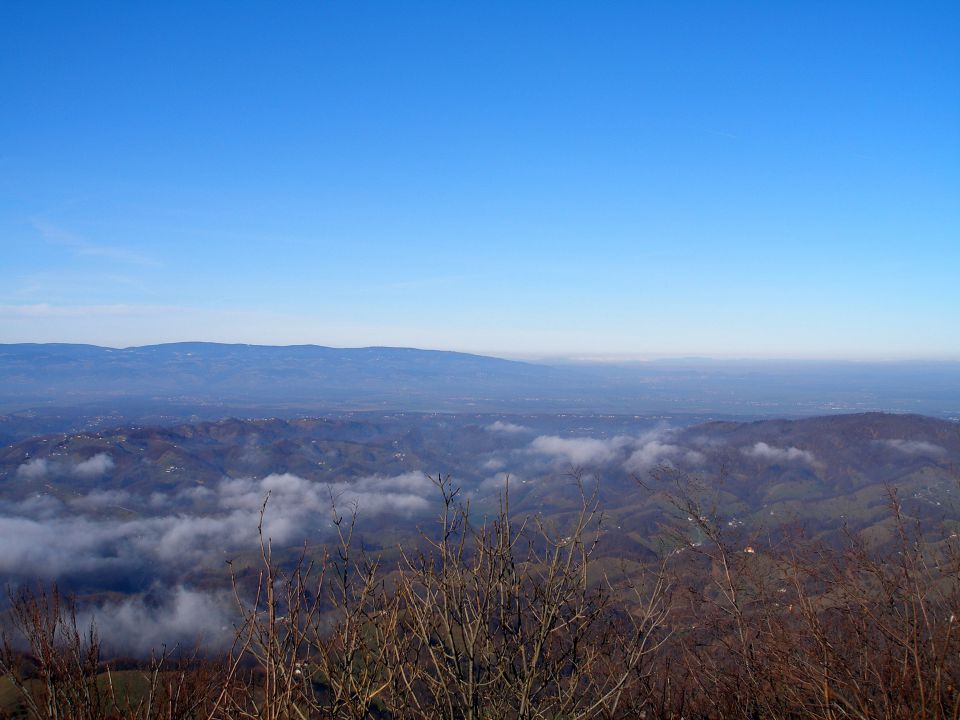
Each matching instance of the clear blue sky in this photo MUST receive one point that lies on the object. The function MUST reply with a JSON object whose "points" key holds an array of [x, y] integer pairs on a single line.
{"points": [[759, 179]]}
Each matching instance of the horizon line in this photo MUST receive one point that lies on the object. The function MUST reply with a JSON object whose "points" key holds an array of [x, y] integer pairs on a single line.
{"points": [[568, 358]]}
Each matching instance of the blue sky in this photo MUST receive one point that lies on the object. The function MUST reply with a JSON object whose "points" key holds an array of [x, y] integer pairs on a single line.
{"points": [[641, 179]]}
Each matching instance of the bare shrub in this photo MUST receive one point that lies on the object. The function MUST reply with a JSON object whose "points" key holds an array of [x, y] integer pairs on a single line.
{"points": [[515, 619], [321, 637], [57, 665], [58, 670], [505, 622], [799, 629]]}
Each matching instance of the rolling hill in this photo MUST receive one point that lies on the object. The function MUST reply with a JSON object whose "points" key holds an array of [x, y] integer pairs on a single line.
{"points": [[114, 507]]}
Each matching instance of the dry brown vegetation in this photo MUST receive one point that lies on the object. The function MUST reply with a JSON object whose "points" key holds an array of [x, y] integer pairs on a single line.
{"points": [[509, 618]]}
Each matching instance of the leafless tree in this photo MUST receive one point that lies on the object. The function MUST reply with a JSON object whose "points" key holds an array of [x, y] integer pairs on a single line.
{"points": [[506, 621]]}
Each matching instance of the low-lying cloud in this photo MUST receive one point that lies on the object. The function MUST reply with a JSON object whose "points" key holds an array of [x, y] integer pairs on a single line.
{"points": [[763, 451], [35, 469], [650, 455], [634, 454], [499, 481], [98, 465], [915, 447], [101, 499], [180, 617], [493, 463], [506, 427], [44, 537], [43, 468], [581, 451]]}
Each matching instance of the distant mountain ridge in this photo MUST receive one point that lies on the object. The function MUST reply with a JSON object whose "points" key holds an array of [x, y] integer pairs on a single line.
{"points": [[260, 372], [201, 380]]}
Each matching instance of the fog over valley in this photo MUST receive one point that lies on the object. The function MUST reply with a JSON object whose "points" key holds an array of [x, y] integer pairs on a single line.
{"points": [[155, 514]]}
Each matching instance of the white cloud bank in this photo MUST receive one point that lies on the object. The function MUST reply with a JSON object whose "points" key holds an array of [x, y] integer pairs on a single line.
{"points": [[98, 465], [183, 617], [915, 447], [506, 427], [35, 469], [581, 451], [635, 454], [762, 451], [43, 537], [89, 469]]}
